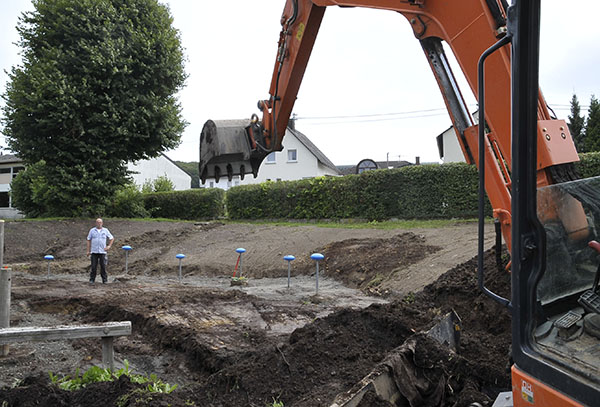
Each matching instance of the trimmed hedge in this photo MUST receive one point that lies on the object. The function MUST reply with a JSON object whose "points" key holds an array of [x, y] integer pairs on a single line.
{"points": [[415, 192], [191, 204], [589, 166]]}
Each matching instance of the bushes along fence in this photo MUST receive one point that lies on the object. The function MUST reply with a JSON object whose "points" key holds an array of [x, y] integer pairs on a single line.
{"points": [[424, 191], [414, 192], [190, 204]]}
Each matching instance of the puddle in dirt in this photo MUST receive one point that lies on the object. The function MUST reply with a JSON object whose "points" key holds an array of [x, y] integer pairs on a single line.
{"points": [[302, 288]]}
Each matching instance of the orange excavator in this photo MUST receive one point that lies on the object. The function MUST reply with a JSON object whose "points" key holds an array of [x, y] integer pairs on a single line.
{"points": [[525, 156]]}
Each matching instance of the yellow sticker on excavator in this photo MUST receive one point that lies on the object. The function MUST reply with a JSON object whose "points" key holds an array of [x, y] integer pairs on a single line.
{"points": [[300, 32]]}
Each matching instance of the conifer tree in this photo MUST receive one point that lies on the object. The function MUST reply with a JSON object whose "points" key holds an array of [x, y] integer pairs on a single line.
{"points": [[576, 124], [592, 126]]}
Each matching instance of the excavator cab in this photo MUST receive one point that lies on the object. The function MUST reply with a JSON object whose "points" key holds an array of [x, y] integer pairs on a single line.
{"points": [[230, 148], [566, 317], [554, 303]]}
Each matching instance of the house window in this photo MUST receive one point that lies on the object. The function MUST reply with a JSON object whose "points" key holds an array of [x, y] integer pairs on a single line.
{"points": [[271, 158], [4, 200], [211, 184], [16, 170], [228, 184], [278, 179], [292, 156], [236, 182], [5, 170]]}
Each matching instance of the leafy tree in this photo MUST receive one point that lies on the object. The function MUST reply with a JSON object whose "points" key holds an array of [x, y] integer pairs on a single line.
{"points": [[592, 127], [96, 89], [41, 190], [576, 124]]}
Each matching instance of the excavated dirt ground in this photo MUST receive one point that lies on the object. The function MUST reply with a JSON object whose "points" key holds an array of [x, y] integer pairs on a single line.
{"points": [[253, 345]]}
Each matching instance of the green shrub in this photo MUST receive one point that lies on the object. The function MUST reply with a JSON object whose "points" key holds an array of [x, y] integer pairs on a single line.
{"points": [[422, 192], [160, 184], [128, 203], [190, 204], [29, 190]]}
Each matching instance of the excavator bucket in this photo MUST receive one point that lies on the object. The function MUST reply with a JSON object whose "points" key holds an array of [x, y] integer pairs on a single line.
{"points": [[226, 150]]}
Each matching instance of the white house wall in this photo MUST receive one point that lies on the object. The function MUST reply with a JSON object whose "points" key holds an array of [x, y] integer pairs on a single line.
{"points": [[306, 166], [149, 170], [452, 151], [5, 181]]}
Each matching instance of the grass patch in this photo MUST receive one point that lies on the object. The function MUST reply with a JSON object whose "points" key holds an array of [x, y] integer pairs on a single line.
{"points": [[333, 224], [361, 224], [106, 219]]}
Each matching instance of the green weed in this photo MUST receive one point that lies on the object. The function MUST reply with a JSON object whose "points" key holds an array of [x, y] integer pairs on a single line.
{"points": [[97, 374], [276, 403], [409, 298]]}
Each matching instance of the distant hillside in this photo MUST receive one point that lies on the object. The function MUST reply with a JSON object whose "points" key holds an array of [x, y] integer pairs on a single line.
{"points": [[192, 168]]}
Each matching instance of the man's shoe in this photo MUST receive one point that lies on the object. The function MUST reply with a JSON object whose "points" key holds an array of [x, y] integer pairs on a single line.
{"points": [[591, 324], [91, 282], [105, 282]]}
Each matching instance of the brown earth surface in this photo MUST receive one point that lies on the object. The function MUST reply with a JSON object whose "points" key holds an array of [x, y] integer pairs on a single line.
{"points": [[253, 345]]}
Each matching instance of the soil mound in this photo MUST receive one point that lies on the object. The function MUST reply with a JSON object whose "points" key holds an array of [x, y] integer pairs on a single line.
{"points": [[330, 355], [366, 263], [38, 391]]}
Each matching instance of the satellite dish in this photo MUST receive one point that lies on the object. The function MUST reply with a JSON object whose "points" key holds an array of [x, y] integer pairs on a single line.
{"points": [[366, 165]]}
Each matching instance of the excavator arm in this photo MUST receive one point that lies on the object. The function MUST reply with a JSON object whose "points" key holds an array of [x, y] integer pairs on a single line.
{"points": [[229, 149], [469, 27]]}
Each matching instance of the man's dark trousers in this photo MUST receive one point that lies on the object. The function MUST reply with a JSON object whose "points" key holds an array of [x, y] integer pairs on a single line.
{"points": [[98, 258]]}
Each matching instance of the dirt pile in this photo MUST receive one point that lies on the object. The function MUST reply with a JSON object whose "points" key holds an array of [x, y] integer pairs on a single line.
{"points": [[328, 356], [366, 263], [331, 354]]}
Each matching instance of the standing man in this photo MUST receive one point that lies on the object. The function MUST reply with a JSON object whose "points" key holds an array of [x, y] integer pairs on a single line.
{"points": [[97, 248]]}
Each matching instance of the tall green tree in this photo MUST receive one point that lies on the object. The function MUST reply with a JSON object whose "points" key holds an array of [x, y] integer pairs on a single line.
{"points": [[592, 126], [576, 124], [96, 89]]}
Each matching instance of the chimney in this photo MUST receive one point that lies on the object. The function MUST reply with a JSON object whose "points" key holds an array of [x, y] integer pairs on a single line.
{"points": [[417, 160], [292, 122]]}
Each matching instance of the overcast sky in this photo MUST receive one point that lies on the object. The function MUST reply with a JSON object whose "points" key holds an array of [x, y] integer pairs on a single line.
{"points": [[365, 63]]}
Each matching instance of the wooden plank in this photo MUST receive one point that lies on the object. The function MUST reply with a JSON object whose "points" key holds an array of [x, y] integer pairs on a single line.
{"points": [[108, 353], [5, 289], [27, 334]]}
